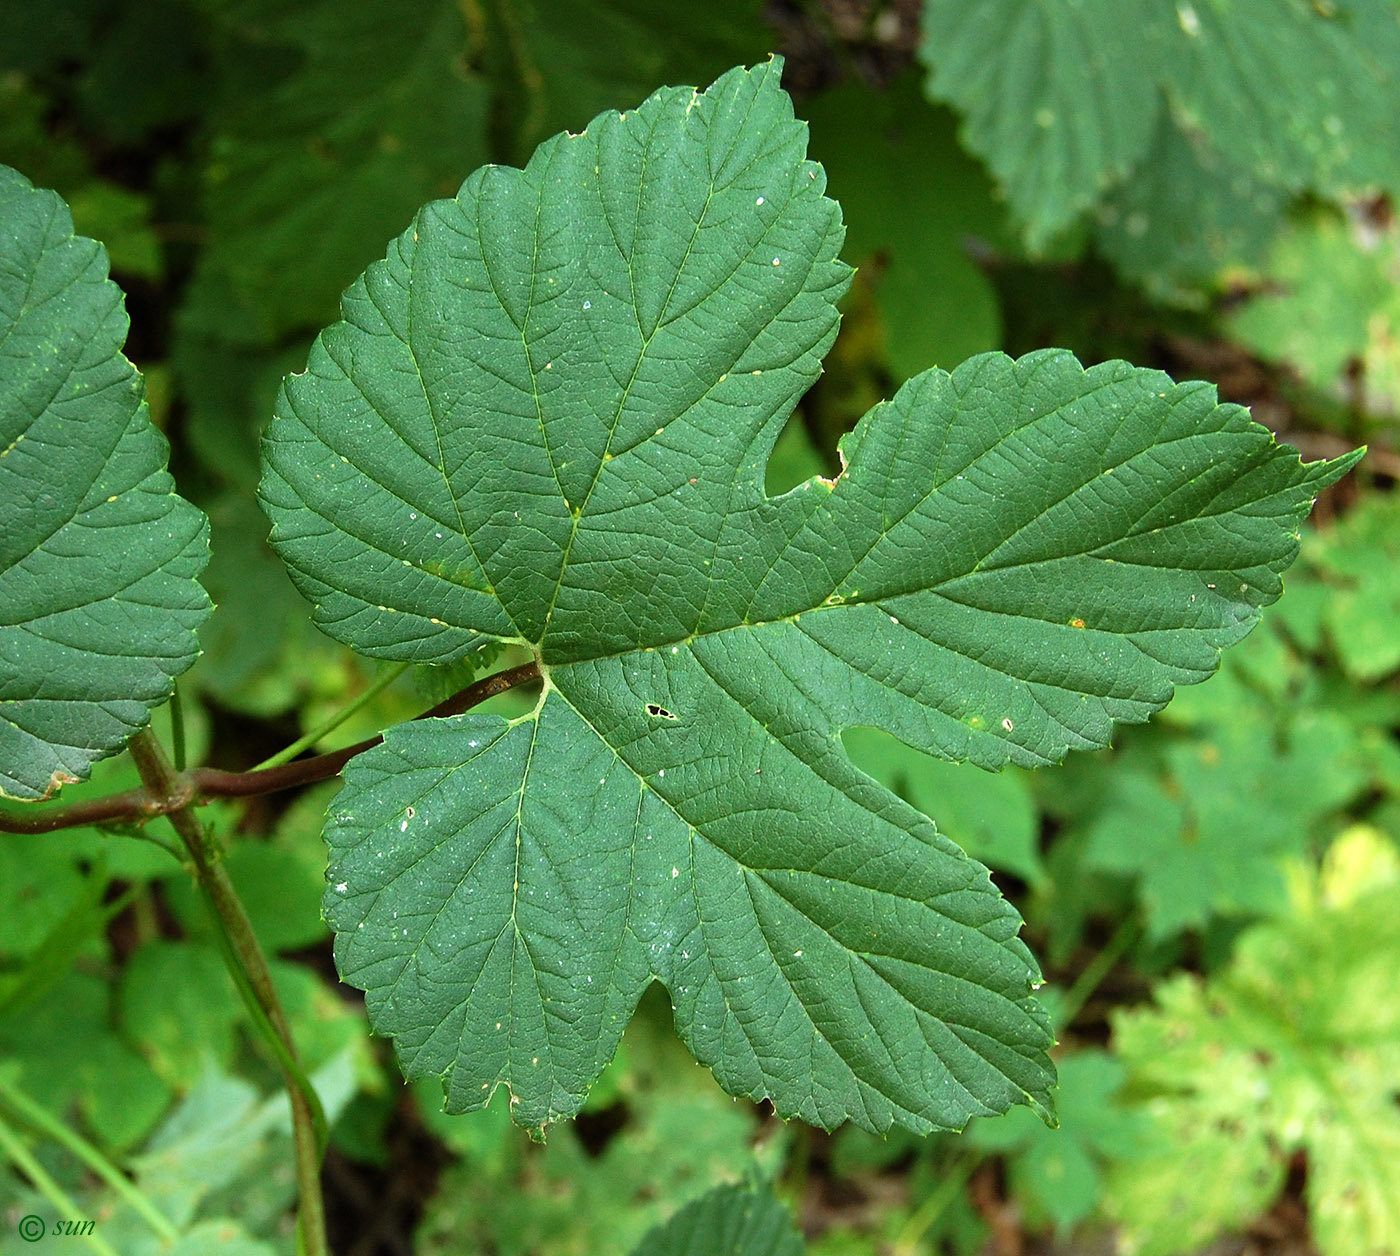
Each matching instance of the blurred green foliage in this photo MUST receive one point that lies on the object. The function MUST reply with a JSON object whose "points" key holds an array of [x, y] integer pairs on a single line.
{"points": [[1207, 187]]}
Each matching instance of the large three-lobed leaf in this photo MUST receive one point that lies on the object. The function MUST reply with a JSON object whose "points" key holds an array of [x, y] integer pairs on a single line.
{"points": [[545, 418], [99, 600]]}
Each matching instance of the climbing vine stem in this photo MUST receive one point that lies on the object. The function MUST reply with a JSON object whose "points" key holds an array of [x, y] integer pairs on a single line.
{"points": [[248, 965]]}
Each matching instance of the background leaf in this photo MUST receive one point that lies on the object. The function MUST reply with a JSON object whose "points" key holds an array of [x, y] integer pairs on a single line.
{"points": [[744, 1221], [1056, 99], [1294, 1046]]}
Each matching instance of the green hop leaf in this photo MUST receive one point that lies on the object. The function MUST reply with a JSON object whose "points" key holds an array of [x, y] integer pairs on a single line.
{"points": [[100, 601], [545, 418]]}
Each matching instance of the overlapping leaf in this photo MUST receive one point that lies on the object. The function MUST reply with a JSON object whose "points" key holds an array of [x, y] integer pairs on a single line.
{"points": [[98, 556], [545, 418]]}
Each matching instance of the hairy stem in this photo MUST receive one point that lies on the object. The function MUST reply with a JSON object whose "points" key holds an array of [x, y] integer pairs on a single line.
{"points": [[250, 964]]}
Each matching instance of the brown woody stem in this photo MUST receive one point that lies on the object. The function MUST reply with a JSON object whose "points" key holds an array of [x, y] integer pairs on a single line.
{"points": [[193, 787]]}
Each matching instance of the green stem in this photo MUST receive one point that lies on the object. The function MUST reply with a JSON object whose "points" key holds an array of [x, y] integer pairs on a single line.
{"points": [[333, 722], [177, 728], [1097, 969], [41, 1121], [283, 1058], [926, 1216], [163, 781], [13, 1146]]}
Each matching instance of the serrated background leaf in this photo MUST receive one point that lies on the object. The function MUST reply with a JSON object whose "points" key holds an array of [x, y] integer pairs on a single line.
{"points": [[599, 351], [1186, 215], [99, 602], [1062, 98], [1056, 100], [1303, 95]]}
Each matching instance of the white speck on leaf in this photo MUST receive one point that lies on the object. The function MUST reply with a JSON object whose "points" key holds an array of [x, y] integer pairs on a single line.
{"points": [[1007, 724], [759, 201], [1188, 19]]}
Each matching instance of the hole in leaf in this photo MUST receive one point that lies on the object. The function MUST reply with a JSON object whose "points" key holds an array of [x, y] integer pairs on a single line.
{"points": [[659, 712]]}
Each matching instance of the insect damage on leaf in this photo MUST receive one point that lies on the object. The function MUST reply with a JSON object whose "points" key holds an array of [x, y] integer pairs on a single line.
{"points": [[563, 386]]}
